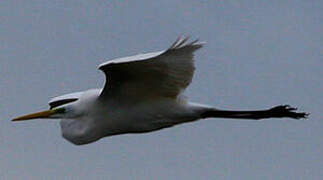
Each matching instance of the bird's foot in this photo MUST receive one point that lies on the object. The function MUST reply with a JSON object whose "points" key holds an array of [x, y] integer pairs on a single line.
{"points": [[287, 111]]}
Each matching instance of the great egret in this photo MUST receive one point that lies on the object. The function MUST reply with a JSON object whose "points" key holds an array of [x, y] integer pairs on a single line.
{"points": [[142, 93]]}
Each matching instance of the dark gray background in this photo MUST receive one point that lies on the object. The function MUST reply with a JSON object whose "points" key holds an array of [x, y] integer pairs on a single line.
{"points": [[258, 54]]}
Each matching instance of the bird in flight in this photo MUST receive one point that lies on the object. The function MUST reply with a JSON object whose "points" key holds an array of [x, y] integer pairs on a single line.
{"points": [[142, 93]]}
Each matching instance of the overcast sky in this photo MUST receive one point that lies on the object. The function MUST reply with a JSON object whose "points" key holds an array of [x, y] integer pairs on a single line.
{"points": [[258, 54]]}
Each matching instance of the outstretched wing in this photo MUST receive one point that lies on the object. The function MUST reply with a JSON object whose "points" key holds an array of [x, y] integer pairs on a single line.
{"points": [[158, 74]]}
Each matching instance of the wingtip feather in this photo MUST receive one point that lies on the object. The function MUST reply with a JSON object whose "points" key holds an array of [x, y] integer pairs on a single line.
{"points": [[182, 41]]}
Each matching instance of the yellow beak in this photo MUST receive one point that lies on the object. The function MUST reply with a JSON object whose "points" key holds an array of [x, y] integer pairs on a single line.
{"points": [[37, 115]]}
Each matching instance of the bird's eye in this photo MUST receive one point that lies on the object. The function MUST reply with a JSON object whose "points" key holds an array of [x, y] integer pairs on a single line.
{"points": [[60, 110]]}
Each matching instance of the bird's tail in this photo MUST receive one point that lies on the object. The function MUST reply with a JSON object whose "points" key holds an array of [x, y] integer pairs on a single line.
{"points": [[281, 111]]}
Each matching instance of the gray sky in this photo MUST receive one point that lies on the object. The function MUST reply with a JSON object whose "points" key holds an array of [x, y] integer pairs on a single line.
{"points": [[258, 54]]}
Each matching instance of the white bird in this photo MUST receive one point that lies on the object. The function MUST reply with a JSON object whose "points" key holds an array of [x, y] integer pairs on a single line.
{"points": [[142, 93]]}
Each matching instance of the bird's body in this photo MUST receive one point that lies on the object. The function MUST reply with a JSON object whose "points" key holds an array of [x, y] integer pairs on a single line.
{"points": [[112, 118], [143, 93]]}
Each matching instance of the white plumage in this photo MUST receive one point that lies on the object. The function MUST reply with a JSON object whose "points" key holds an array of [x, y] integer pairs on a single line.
{"points": [[162, 74], [143, 93]]}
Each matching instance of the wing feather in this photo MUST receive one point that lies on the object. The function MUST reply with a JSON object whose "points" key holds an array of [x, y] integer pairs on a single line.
{"points": [[159, 74], [64, 99]]}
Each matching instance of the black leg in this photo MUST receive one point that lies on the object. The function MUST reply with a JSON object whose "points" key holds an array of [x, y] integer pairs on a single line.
{"points": [[275, 112]]}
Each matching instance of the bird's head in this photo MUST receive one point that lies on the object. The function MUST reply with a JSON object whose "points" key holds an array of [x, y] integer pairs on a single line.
{"points": [[55, 113]]}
